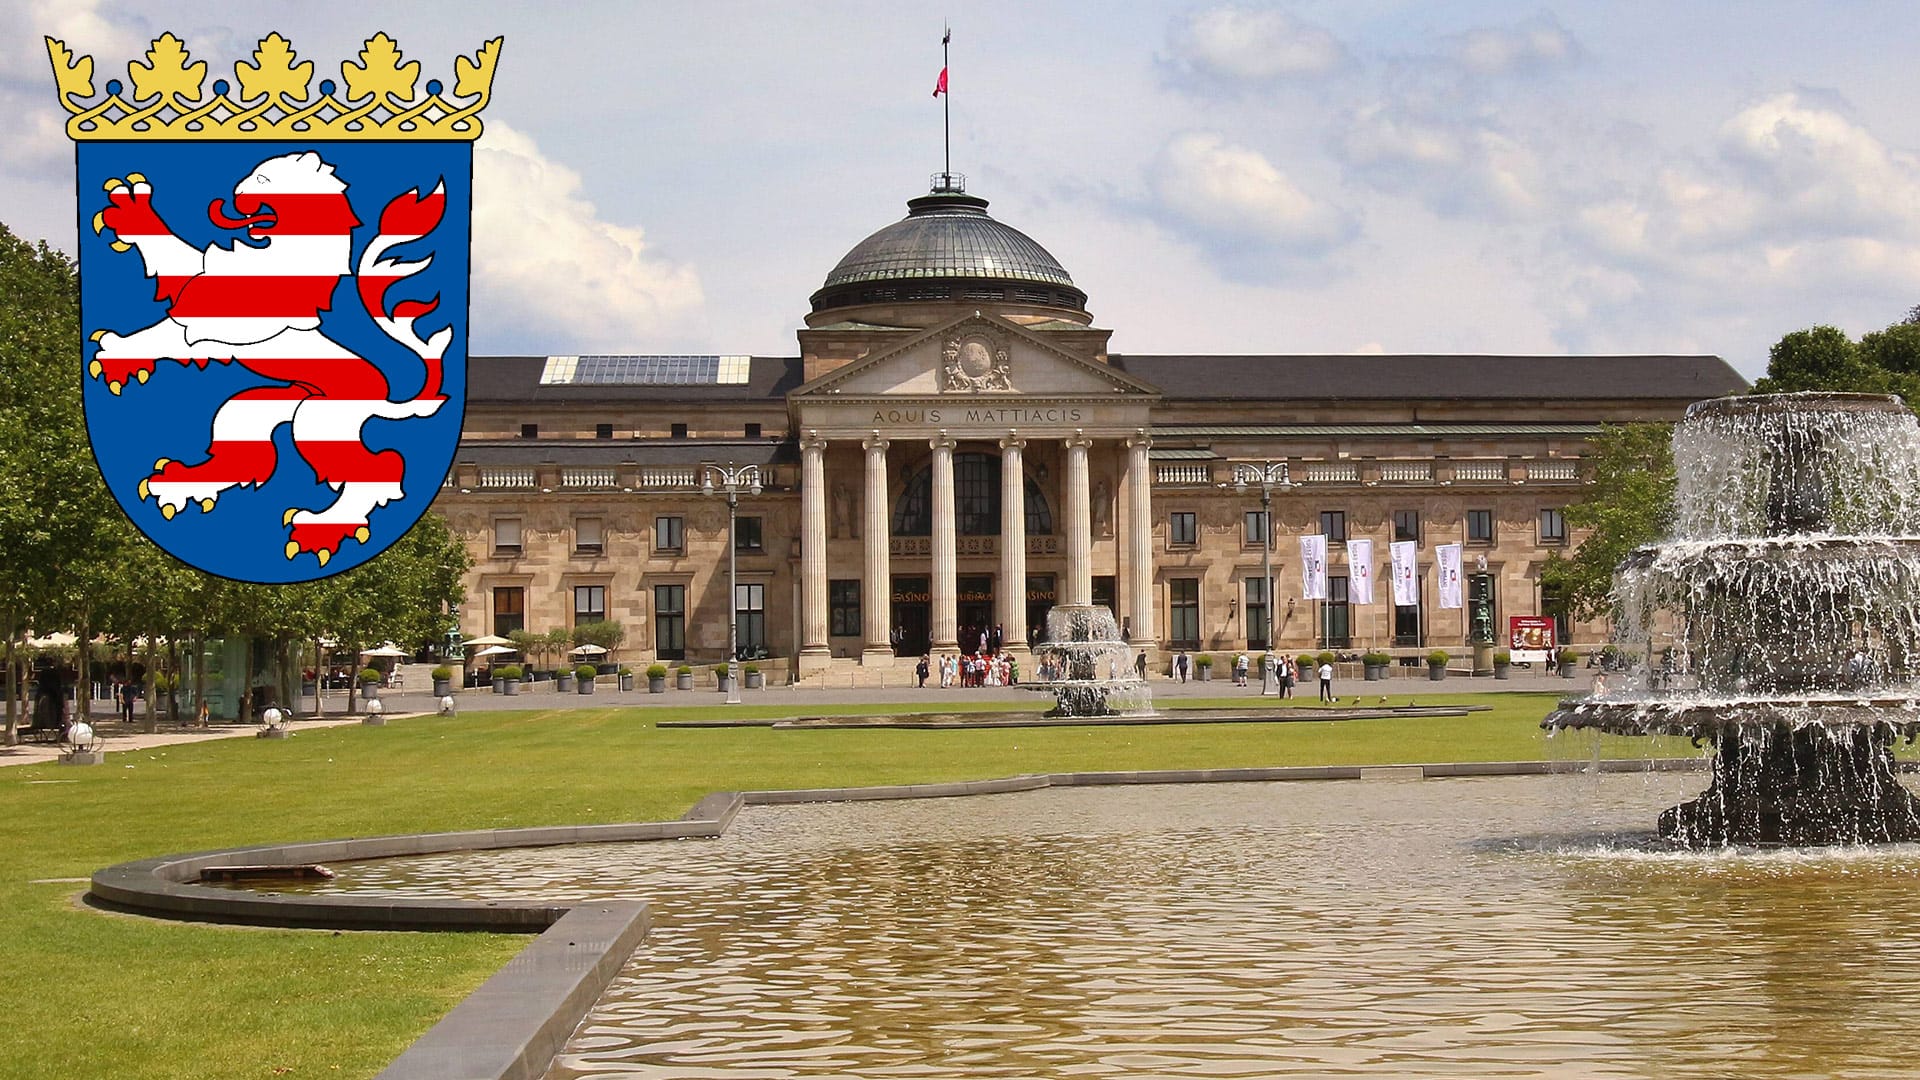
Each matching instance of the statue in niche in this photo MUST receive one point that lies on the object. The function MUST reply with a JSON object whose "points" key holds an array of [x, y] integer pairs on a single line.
{"points": [[842, 502], [1102, 508]]}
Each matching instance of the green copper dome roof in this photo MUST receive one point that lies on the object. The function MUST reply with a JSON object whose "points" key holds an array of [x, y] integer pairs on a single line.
{"points": [[948, 234]]}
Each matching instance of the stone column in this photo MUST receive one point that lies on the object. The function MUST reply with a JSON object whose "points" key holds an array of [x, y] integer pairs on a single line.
{"points": [[1011, 610], [1138, 552], [814, 654], [876, 592], [1078, 588], [944, 586]]}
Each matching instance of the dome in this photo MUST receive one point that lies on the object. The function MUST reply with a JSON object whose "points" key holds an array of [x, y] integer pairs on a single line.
{"points": [[948, 239]]}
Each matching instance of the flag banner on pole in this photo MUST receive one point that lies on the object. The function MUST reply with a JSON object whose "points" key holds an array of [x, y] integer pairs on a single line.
{"points": [[1360, 571], [1449, 575], [940, 85], [1313, 567], [1406, 572]]}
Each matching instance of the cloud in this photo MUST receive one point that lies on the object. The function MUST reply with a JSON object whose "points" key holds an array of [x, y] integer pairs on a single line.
{"points": [[1241, 45], [548, 269], [1239, 205], [1819, 170], [1455, 168], [1538, 45]]}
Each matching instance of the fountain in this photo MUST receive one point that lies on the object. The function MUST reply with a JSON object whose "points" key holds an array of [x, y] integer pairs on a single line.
{"points": [[1088, 668], [1781, 623]]}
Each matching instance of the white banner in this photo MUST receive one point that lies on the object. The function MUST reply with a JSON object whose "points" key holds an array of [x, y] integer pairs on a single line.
{"points": [[1449, 574], [1360, 571], [1406, 572], [1313, 567]]}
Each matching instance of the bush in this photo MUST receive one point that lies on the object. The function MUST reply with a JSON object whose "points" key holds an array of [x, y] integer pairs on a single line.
{"points": [[751, 669], [685, 669], [586, 672], [1325, 658], [371, 674], [1438, 658], [1376, 659], [1569, 656], [655, 671], [1304, 664], [443, 673], [1502, 657], [1203, 660], [507, 671], [625, 670], [720, 669]]}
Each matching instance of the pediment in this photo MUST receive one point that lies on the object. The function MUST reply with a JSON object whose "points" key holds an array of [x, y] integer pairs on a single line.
{"points": [[976, 357]]}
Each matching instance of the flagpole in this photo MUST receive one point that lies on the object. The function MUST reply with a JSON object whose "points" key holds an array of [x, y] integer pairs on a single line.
{"points": [[946, 105]]}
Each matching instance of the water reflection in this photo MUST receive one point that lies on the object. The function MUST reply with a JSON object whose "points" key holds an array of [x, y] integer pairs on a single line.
{"points": [[1442, 928]]}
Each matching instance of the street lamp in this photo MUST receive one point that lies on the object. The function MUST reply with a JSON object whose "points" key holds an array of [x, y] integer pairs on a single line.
{"points": [[1268, 475], [732, 480]]}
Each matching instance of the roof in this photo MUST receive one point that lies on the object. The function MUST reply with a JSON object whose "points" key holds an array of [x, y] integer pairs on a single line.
{"points": [[1432, 376], [516, 380], [948, 235]]}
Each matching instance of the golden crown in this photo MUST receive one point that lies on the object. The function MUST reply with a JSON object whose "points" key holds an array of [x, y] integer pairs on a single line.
{"points": [[274, 101]]}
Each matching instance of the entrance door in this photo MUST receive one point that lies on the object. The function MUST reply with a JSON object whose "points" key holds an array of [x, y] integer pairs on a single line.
{"points": [[1040, 600], [974, 607], [912, 616]]}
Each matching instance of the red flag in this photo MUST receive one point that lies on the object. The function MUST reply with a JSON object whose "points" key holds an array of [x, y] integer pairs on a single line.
{"points": [[940, 87]]}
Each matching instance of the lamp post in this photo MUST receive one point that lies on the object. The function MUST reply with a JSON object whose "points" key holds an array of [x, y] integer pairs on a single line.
{"points": [[731, 480], [1268, 475]]}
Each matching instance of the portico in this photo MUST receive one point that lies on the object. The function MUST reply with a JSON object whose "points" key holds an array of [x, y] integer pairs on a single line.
{"points": [[1065, 436]]}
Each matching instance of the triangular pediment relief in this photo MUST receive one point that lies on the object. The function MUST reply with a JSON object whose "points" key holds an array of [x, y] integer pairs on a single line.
{"points": [[975, 357]]}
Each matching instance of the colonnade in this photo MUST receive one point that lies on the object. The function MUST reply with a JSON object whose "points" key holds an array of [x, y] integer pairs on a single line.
{"points": [[876, 593]]}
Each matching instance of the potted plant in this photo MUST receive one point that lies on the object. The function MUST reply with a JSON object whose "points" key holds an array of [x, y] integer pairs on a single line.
{"points": [[1203, 667], [1502, 661], [563, 680], [1374, 665], [656, 678], [723, 676], [626, 678], [1437, 664], [442, 681], [508, 679], [1568, 659], [370, 679], [1306, 668], [586, 674], [683, 677], [754, 679]]}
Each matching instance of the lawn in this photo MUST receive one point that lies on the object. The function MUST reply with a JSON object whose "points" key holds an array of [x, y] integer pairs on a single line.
{"points": [[98, 995]]}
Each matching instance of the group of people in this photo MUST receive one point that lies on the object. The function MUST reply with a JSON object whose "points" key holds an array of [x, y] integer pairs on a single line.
{"points": [[1286, 672], [970, 669]]}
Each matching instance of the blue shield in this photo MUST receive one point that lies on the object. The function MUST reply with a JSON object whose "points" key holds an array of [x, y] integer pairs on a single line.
{"points": [[275, 363]]}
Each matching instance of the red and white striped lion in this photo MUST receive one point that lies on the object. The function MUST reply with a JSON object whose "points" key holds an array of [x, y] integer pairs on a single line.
{"points": [[260, 308]]}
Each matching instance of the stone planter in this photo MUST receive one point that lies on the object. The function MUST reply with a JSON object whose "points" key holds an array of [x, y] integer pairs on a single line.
{"points": [[755, 680], [657, 686], [499, 686], [1500, 671], [442, 687], [369, 690], [1436, 672], [510, 687], [563, 682], [586, 686], [725, 682], [1566, 671], [1204, 674], [1375, 672], [683, 681], [626, 682]]}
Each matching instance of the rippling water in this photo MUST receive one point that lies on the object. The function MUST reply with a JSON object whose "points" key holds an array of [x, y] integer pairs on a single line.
{"points": [[1514, 927]]}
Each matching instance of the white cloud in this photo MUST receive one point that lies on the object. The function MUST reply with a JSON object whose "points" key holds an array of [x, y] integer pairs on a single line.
{"points": [[78, 23], [1819, 169], [1455, 168], [1237, 203], [1533, 46], [1236, 44], [548, 268]]}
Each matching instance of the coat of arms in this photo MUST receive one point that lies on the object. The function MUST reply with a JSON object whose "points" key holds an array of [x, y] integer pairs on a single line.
{"points": [[274, 298]]}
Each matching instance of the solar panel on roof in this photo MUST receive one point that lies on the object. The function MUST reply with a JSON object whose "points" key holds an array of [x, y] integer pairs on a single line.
{"points": [[645, 370]]}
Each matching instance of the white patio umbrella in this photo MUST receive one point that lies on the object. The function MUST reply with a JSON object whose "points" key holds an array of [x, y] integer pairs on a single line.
{"points": [[495, 650], [590, 650], [388, 649], [488, 639]]}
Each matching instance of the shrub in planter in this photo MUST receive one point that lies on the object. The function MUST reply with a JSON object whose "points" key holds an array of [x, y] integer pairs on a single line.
{"points": [[754, 679], [1568, 659], [442, 681], [1305, 668], [563, 680], [508, 677], [657, 679], [1502, 661], [626, 677], [1375, 664], [1437, 664], [1203, 667], [586, 673], [683, 677], [722, 675], [371, 674], [1324, 658]]}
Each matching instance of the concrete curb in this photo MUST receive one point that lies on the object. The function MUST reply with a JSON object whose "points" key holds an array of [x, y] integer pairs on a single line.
{"points": [[513, 1025]]}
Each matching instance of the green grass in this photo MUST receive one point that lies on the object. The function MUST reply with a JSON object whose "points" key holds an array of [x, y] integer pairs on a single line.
{"points": [[97, 995]]}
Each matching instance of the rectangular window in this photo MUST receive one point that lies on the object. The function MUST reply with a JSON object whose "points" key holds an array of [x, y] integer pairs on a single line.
{"points": [[1406, 626], [588, 537], [509, 610], [589, 604], [746, 534], [1479, 526], [843, 608], [506, 536], [1553, 527], [1256, 532], [670, 622], [1406, 525], [1336, 624], [603, 431], [750, 620], [1333, 526], [529, 431], [1183, 613], [753, 431], [1183, 529], [678, 431], [670, 534], [1258, 629]]}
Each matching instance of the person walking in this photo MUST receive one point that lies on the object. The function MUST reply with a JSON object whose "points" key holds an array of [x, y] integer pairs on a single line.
{"points": [[1286, 676], [1240, 670], [922, 670], [1326, 682], [1180, 664], [1140, 664], [128, 693]]}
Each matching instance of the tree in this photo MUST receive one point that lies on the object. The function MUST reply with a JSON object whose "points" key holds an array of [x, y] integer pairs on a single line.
{"points": [[1629, 503], [1824, 358]]}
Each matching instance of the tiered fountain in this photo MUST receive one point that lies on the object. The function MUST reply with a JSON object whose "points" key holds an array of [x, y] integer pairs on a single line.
{"points": [[1781, 623], [1087, 666]]}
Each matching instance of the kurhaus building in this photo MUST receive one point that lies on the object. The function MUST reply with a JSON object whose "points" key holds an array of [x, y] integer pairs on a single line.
{"points": [[955, 448]]}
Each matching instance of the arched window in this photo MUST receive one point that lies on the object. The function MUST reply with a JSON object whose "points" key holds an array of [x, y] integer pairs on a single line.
{"points": [[976, 501]]}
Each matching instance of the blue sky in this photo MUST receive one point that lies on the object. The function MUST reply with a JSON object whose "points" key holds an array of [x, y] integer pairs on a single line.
{"points": [[1224, 178]]}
